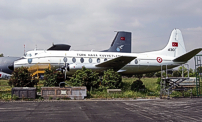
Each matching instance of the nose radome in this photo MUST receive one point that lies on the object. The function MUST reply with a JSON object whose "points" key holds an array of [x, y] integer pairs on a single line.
{"points": [[11, 66]]}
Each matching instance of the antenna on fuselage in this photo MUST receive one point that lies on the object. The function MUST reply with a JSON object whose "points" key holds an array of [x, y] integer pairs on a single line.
{"points": [[24, 49]]}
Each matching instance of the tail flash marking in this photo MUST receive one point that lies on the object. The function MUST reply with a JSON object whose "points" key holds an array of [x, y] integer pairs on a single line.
{"points": [[123, 38], [175, 44]]}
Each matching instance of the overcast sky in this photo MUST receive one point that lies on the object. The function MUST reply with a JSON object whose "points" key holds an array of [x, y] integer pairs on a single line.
{"points": [[90, 24]]}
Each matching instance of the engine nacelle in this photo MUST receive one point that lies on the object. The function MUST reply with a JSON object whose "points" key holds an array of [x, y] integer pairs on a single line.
{"points": [[4, 75]]}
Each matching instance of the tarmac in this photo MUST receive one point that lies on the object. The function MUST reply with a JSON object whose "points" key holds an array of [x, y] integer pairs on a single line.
{"points": [[182, 109]]}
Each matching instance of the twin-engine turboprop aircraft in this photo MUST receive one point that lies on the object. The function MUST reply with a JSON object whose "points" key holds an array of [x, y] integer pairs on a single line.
{"points": [[121, 45], [174, 54]]}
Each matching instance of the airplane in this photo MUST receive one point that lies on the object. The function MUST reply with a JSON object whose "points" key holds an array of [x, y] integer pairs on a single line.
{"points": [[173, 55], [4, 75], [121, 45], [5, 71]]}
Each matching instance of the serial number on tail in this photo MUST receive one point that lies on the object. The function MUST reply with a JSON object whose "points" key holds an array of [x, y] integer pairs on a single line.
{"points": [[171, 49]]}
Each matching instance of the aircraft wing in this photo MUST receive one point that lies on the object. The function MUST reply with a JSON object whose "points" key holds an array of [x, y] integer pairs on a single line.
{"points": [[187, 56], [116, 63]]}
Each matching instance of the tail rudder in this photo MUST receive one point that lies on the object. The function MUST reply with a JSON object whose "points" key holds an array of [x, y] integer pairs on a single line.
{"points": [[121, 43], [175, 46]]}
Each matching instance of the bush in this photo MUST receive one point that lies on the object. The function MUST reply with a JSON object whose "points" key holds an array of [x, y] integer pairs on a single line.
{"points": [[139, 76], [137, 85], [158, 84], [21, 78], [53, 78], [50, 98], [111, 80], [85, 77], [15, 97]]}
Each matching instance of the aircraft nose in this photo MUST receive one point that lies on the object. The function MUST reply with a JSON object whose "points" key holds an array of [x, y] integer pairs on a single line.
{"points": [[11, 66]]}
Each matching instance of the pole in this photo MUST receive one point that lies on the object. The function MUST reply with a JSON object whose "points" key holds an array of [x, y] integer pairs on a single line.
{"points": [[182, 71], [166, 72]]}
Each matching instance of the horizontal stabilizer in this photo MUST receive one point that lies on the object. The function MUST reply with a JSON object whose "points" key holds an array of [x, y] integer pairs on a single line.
{"points": [[187, 56], [116, 63]]}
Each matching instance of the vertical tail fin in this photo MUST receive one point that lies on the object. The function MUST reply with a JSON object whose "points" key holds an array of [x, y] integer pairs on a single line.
{"points": [[121, 43], [175, 46]]}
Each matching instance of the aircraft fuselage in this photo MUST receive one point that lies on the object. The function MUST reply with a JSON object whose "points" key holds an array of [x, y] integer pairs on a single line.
{"points": [[145, 62]]}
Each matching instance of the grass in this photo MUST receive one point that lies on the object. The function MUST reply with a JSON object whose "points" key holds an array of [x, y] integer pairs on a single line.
{"points": [[150, 91], [150, 84], [4, 85]]}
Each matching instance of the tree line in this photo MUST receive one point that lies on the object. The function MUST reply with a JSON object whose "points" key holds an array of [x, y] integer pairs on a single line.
{"points": [[21, 77]]}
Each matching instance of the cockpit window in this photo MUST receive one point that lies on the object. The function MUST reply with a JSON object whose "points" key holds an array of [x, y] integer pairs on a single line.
{"points": [[28, 55], [36, 53]]}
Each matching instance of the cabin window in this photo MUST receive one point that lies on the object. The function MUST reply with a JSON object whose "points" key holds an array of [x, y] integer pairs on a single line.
{"points": [[82, 60], [105, 59], [73, 59], [136, 61], [65, 59], [90, 60], [98, 60]]}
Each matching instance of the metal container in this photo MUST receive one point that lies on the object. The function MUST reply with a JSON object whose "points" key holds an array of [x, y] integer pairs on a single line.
{"points": [[77, 93], [24, 92]]}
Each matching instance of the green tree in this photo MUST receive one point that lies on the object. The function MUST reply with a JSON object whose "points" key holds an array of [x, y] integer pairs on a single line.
{"points": [[151, 74], [191, 73], [158, 74], [111, 80], [52, 77], [85, 77], [176, 73], [185, 71], [199, 69], [1, 55], [21, 78]]}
